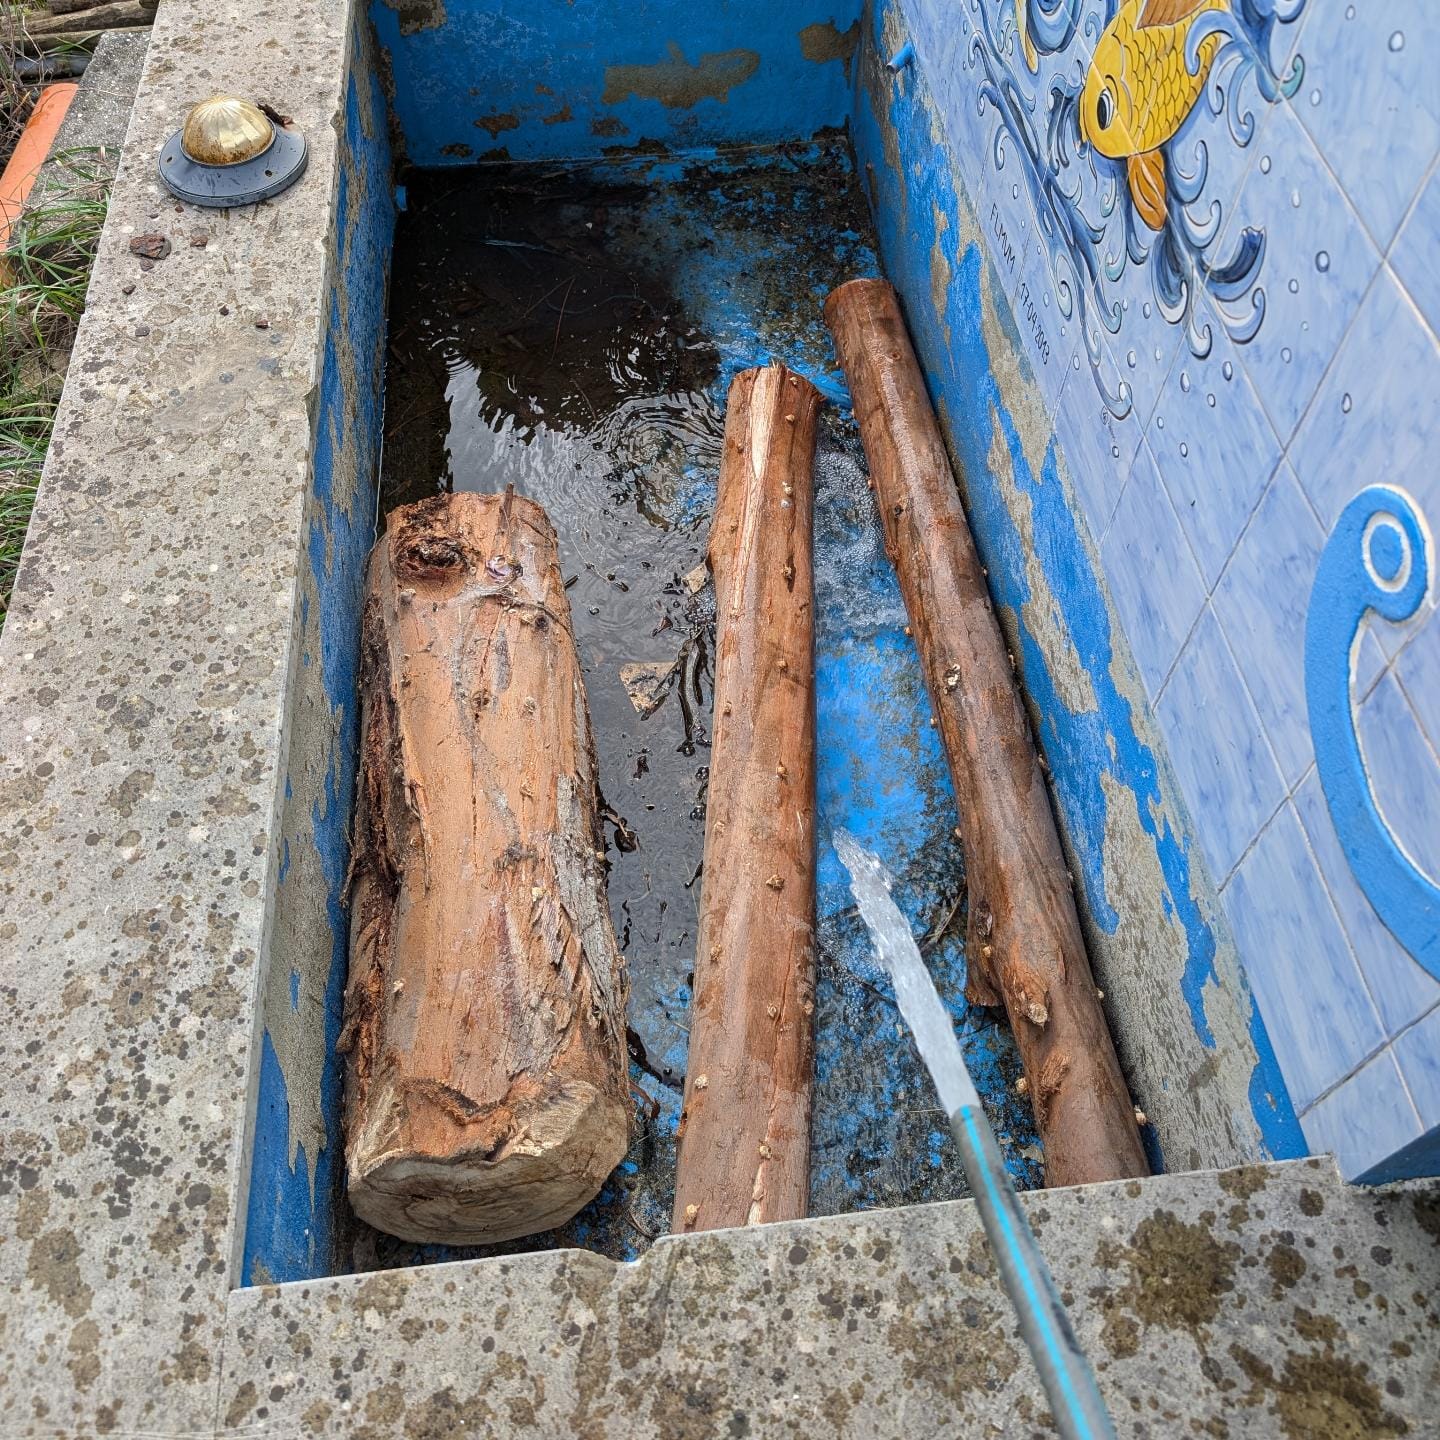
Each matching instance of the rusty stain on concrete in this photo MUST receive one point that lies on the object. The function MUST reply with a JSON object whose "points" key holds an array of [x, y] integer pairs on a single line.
{"points": [[493, 125], [824, 42], [418, 15], [677, 83]]}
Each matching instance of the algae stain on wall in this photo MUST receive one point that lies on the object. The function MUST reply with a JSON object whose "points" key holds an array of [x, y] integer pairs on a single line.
{"points": [[678, 83]]}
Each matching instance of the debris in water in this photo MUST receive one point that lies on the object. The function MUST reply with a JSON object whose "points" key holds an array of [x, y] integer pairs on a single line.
{"points": [[647, 682]]}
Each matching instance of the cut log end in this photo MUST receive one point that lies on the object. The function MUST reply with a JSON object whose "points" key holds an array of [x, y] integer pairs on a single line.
{"points": [[538, 1176]]}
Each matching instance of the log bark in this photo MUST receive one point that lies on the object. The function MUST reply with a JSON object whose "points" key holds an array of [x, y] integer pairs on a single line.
{"points": [[69, 41], [1023, 942], [744, 1149], [98, 17], [73, 7], [487, 1090]]}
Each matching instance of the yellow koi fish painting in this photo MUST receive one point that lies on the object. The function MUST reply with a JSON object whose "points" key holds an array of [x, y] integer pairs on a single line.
{"points": [[1139, 90], [1086, 102]]}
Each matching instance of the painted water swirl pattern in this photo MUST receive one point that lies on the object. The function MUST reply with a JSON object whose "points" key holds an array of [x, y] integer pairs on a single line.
{"points": [[1096, 110]]}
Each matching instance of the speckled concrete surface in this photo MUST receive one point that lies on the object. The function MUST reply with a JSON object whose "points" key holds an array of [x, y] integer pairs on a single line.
{"points": [[99, 115], [143, 671], [1264, 1301], [147, 683]]}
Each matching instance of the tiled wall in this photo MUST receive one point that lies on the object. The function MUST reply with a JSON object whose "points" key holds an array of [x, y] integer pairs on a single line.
{"points": [[1220, 390]]}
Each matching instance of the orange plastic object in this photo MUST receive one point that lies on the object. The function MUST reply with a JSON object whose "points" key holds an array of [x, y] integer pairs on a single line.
{"points": [[34, 145]]}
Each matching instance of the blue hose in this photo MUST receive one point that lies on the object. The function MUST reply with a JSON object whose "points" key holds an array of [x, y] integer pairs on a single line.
{"points": [[1075, 1402]]}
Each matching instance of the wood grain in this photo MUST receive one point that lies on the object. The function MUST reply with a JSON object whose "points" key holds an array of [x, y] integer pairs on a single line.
{"points": [[744, 1154], [485, 1014]]}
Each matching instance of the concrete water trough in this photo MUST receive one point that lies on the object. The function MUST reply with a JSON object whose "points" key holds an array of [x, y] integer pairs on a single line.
{"points": [[179, 722]]}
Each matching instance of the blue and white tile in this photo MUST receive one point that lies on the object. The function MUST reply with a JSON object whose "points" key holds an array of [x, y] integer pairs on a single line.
{"points": [[1417, 1052], [1261, 600], [990, 161], [1415, 256], [1371, 102], [1365, 1121], [1400, 987], [1216, 451], [1147, 346], [1369, 664], [1048, 337], [1318, 263], [1098, 448], [1317, 1009], [931, 32], [1372, 420], [1157, 589], [1418, 670], [1218, 748], [1404, 773]]}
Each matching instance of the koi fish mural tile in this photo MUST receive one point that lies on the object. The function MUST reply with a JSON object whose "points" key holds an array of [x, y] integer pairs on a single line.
{"points": [[1129, 125], [1401, 989], [1320, 262], [1261, 601], [1146, 543], [1371, 103], [1314, 999], [1415, 252], [1218, 748]]}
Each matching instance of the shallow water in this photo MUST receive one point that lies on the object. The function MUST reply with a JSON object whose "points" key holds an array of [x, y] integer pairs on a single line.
{"points": [[573, 332]]}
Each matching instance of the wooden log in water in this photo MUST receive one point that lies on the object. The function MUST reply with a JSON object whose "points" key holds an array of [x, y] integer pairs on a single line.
{"points": [[1023, 945], [487, 1090], [744, 1151]]}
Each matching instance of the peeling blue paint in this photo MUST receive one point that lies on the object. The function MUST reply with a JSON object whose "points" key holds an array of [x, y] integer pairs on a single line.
{"points": [[291, 1219], [494, 77]]}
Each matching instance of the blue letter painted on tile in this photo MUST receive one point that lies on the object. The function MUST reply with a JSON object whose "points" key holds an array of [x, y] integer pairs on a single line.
{"points": [[1377, 557]]}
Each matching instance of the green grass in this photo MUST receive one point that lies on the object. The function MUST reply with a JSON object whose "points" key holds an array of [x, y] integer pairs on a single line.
{"points": [[49, 265]]}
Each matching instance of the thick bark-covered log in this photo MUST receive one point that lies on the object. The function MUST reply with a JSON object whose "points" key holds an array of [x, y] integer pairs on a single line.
{"points": [[1024, 945], [487, 1090], [744, 1156]]}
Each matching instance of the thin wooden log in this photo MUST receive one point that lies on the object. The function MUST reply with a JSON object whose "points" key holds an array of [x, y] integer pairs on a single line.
{"points": [[487, 1090], [72, 7], [101, 17], [68, 42], [744, 1150], [1023, 944]]}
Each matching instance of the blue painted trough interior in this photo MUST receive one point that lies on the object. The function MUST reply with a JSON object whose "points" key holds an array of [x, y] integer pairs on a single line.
{"points": [[1140, 436]]}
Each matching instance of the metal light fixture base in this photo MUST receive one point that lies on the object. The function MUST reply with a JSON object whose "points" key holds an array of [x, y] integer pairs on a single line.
{"points": [[225, 126]]}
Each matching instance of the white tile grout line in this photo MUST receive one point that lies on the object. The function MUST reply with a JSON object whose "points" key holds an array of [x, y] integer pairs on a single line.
{"points": [[1285, 444], [1387, 1044]]}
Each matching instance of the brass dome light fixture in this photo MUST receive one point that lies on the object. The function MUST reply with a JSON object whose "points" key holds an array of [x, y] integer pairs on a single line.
{"points": [[231, 152]]}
